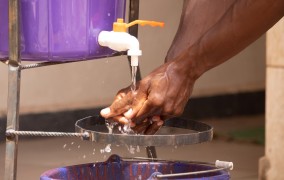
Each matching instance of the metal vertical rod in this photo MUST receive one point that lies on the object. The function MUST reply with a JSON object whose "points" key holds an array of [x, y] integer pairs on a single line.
{"points": [[14, 78], [133, 30], [134, 15]]}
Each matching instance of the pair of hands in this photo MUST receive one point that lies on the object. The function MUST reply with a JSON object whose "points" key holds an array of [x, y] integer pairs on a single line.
{"points": [[204, 40], [160, 95]]}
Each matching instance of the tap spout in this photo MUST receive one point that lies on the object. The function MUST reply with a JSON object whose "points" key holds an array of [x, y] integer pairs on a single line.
{"points": [[121, 41]]}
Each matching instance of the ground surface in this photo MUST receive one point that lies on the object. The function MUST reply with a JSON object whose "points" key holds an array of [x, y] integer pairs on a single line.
{"points": [[38, 155]]}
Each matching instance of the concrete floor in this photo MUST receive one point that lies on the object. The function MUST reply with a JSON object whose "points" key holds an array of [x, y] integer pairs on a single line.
{"points": [[38, 155]]}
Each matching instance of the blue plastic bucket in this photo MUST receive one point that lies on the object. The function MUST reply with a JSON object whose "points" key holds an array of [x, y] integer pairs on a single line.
{"points": [[116, 169]]}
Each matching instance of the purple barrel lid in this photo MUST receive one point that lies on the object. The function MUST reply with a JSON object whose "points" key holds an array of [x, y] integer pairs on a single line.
{"points": [[61, 30]]}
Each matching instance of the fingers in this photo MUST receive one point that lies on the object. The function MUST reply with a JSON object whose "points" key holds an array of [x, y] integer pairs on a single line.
{"points": [[152, 105], [149, 126], [157, 123], [120, 119], [128, 113], [124, 100], [147, 110], [118, 107], [151, 130], [139, 129], [137, 104]]}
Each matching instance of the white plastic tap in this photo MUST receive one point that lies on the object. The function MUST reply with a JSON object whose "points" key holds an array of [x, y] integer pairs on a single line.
{"points": [[120, 40]]}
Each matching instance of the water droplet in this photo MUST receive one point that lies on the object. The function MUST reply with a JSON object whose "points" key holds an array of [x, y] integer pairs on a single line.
{"points": [[72, 143], [84, 156], [64, 146], [138, 149], [108, 14], [79, 146], [131, 149], [107, 148], [110, 125]]}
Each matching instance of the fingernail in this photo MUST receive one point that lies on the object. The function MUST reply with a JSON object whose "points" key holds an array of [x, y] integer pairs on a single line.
{"points": [[128, 113], [156, 118], [160, 123], [123, 120], [105, 112], [132, 124]]}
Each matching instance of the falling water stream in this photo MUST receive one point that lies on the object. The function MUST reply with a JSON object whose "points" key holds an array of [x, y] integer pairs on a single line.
{"points": [[133, 78], [150, 150], [126, 129]]}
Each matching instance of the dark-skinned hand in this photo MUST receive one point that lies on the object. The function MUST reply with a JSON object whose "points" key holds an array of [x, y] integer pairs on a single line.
{"points": [[160, 95]]}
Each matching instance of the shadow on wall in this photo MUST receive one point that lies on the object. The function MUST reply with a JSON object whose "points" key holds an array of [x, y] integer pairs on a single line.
{"points": [[2, 128], [246, 103]]}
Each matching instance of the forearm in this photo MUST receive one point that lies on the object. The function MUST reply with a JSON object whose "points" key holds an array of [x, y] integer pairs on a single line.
{"points": [[234, 27], [197, 17]]}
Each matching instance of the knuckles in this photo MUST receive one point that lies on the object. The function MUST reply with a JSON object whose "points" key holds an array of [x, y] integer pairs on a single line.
{"points": [[178, 112], [173, 111], [156, 101], [166, 108]]}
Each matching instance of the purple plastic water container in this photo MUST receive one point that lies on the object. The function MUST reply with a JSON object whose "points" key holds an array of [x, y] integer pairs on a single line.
{"points": [[61, 30]]}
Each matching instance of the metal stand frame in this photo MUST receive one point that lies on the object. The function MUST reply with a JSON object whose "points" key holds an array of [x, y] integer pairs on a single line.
{"points": [[14, 82]]}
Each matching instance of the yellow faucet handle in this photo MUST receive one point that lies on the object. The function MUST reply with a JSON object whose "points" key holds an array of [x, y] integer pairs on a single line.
{"points": [[144, 22], [120, 26]]}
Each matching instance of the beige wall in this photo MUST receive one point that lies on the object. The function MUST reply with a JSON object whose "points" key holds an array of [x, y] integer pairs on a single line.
{"points": [[94, 83], [271, 166]]}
